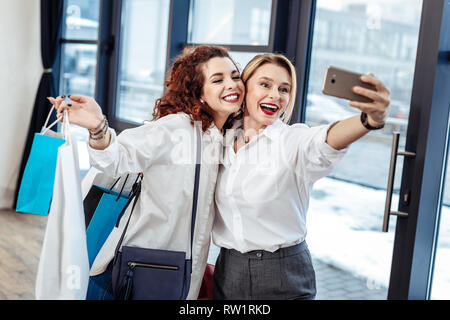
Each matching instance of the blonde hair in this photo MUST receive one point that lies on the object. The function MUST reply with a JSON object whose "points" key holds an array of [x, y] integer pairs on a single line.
{"points": [[279, 60]]}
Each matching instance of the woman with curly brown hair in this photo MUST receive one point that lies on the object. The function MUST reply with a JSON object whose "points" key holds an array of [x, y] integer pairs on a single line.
{"points": [[203, 86]]}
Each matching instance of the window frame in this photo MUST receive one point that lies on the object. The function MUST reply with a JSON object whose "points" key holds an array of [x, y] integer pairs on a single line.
{"points": [[63, 41], [249, 48]]}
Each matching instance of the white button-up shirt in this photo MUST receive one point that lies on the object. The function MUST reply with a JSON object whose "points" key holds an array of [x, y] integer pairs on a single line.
{"points": [[165, 152], [263, 190]]}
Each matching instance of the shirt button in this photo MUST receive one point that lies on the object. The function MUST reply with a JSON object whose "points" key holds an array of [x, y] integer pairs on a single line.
{"points": [[259, 254]]}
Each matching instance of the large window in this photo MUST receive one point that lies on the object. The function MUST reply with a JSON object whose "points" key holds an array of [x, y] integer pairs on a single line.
{"points": [[346, 210], [79, 46], [230, 22], [142, 65], [244, 27]]}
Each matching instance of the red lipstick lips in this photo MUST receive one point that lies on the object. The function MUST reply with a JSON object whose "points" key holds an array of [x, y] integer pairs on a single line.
{"points": [[269, 108]]}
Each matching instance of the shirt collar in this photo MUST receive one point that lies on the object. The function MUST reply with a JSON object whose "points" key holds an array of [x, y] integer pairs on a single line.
{"points": [[215, 133], [273, 131]]}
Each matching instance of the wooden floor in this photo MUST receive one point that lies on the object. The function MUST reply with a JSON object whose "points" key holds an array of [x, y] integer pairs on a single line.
{"points": [[21, 238]]}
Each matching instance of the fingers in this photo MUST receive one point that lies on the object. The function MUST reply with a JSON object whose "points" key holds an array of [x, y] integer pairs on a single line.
{"points": [[56, 102], [374, 95], [368, 107], [375, 82], [60, 111], [78, 98], [61, 105]]}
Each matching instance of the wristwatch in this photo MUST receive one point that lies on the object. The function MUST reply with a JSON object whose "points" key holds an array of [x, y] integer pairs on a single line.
{"points": [[366, 124]]}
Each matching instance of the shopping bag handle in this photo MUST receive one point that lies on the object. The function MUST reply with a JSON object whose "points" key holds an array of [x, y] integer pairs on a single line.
{"points": [[66, 123], [123, 186], [48, 118], [66, 126]]}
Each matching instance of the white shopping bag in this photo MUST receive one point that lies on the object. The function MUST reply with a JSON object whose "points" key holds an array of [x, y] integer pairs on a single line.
{"points": [[63, 271]]}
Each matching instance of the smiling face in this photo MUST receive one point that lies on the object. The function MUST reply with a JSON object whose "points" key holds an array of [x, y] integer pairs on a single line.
{"points": [[223, 89], [268, 94]]}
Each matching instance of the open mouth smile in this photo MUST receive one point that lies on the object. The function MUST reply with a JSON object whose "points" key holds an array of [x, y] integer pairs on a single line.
{"points": [[232, 98], [269, 108]]}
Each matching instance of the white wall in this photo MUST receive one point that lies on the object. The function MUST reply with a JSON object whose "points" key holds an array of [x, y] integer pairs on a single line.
{"points": [[20, 72]]}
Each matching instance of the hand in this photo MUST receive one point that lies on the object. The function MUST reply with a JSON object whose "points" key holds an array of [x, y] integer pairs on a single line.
{"points": [[83, 111], [377, 110]]}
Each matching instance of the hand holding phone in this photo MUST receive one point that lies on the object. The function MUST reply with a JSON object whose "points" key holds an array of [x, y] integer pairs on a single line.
{"points": [[365, 92], [339, 83]]}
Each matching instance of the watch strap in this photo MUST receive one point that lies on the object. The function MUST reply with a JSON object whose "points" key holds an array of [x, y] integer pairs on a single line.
{"points": [[365, 123]]}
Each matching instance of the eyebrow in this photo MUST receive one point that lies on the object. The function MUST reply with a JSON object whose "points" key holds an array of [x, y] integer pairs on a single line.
{"points": [[271, 80], [221, 74]]}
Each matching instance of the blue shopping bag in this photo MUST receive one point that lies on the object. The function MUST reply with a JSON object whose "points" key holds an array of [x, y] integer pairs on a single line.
{"points": [[105, 198], [103, 219], [36, 187]]}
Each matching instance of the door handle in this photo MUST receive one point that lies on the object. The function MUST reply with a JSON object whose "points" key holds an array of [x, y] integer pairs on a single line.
{"points": [[390, 185]]}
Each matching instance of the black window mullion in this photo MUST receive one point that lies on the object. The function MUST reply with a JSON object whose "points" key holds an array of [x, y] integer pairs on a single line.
{"points": [[178, 29], [77, 41], [279, 26], [275, 22], [293, 37], [108, 62]]}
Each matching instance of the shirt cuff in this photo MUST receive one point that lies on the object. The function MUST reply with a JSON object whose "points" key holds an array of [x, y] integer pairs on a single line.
{"points": [[102, 158], [329, 153]]}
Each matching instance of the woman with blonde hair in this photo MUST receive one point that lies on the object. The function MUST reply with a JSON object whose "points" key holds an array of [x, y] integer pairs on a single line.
{"points": [[264, 184]]}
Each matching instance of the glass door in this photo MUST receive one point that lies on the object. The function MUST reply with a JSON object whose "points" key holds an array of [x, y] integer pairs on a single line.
{"points": [[351, 255], [440, 286]]}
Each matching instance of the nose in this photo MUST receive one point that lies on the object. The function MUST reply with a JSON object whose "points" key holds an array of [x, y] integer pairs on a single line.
{"points": [[230, 83], [274, 93]]}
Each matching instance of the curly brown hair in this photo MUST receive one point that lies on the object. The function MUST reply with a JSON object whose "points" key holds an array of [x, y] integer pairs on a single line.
{"points": [[184, 85]]}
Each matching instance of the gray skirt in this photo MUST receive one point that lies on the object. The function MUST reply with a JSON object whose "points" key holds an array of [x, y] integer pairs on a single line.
{"points": [[285, 274]]}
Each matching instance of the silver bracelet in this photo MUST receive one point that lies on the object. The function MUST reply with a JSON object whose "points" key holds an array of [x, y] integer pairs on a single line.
{"points": [[100, 134]]}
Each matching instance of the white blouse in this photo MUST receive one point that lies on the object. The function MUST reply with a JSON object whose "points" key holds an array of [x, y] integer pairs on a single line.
{"points": [[164, 151], [262, 192]]}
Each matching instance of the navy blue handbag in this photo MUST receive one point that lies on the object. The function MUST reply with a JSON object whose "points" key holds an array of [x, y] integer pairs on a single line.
{"points": [[154, 274]]}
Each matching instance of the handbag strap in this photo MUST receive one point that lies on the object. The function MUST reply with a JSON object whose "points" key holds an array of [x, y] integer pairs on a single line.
{"points": [[137, 190], [196, 182]]}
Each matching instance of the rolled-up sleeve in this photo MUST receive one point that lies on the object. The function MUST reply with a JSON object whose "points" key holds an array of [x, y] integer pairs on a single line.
{"points": [[315, 158]]}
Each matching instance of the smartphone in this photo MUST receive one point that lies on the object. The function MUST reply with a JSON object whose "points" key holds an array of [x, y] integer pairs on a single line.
{"points": [[339, 83]]}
